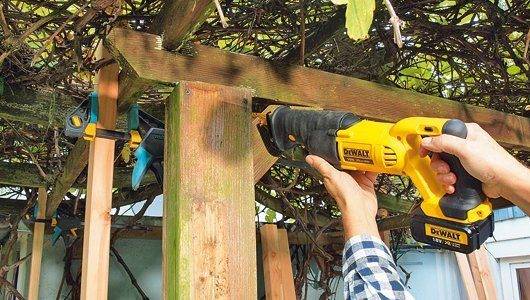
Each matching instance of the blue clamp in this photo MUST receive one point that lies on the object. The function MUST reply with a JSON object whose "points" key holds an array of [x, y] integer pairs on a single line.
{"points": [[94, 107], [143, 162], [150, 152]]}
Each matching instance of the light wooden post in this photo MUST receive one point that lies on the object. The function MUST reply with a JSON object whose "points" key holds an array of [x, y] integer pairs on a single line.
{"points": [[286, 267], [477, 278], [277, 269], [36, 252], [467, 277], [96, 235], [480, 268], [485, 273], [209, 243]]}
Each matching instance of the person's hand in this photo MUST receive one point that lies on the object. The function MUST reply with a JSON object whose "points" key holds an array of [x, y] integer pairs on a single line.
{"points": [[480, 155], [354, 193]]}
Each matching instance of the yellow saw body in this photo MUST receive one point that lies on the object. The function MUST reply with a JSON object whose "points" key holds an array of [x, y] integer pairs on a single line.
{"points": [[459, 222]]}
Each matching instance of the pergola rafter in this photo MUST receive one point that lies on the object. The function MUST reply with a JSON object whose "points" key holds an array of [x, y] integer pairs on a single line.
{"points": [[303, 86]]}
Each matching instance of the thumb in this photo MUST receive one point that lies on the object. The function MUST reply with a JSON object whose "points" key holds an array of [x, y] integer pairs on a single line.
{"points": [[444, 143], [321, 165]]}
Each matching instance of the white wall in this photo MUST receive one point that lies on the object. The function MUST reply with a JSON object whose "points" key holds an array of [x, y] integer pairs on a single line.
{"points": [[510, 249], [143, 257], [434, 274]]}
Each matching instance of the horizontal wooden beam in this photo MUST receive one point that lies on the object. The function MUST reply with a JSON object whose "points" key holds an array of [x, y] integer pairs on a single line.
{"points": [[49, 108], [394, 222], [27, 175], [11, 206], [21, 174], [36, 107], [304, 86], [178, 18]]}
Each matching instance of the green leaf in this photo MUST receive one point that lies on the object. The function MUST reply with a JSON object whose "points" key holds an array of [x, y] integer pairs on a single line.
{"points": [[466, 20], [513, 70], [339, 2], [270, 216], [126, 153], [359, 16], [222, 44]]}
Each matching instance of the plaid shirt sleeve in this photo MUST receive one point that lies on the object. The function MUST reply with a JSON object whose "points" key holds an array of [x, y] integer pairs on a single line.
{"points": [[369, 271]]}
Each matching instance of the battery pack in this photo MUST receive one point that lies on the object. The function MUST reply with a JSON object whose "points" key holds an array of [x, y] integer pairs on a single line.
{"points": [[464, 238]]}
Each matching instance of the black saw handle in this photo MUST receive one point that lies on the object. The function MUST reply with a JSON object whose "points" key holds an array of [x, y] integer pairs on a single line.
{"points": [[468, 190]]}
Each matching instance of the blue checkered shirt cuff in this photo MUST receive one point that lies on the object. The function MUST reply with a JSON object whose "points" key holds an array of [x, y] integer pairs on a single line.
{"points": [[369, 271]]}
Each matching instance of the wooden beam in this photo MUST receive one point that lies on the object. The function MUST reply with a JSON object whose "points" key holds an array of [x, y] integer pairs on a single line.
{"points": [[394, 222], [25, 174], [11, 206], [35, 107], [96, 235], [286, 267], [49, 108], [476, 271], [20, 174], [179, 18], [208, 142], [277, 267], [263, 161], [36, 252], [271, 267], [467, 277], [304, 86], [131, 87], [485, 273], [74, 165]]}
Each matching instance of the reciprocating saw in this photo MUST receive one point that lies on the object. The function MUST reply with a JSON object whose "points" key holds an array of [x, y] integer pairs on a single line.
{"points": [[461, 221]]}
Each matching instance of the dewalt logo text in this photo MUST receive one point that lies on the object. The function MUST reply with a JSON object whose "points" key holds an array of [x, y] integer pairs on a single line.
{"points": [[446, 234], [357, 152]]}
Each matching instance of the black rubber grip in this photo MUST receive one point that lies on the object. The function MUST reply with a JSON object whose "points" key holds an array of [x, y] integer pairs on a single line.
{"points": [[315, 130], [468, 190]]}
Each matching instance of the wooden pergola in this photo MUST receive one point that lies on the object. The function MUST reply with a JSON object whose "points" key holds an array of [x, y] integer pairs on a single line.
{"points": [[213, 153]]}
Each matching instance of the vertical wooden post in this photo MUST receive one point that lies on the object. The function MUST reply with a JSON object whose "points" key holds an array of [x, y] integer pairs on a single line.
{"points": [[286, 266], [96, 235], [271, 268], [482, 275], [36, 252], [467, 277], [277, 268], [209, 242], [477, 279], [485, 273]]}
